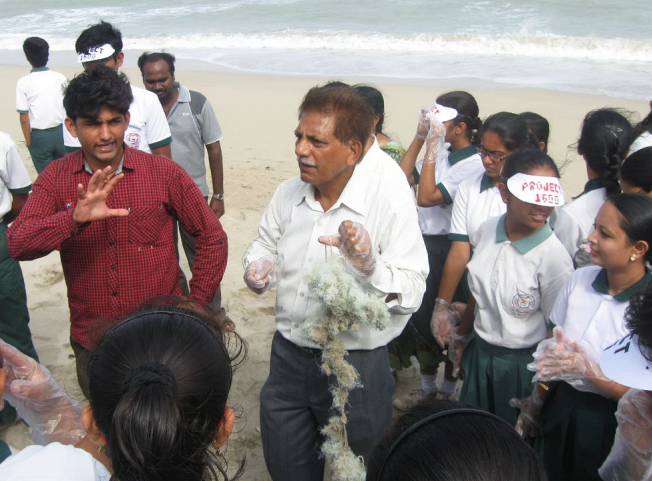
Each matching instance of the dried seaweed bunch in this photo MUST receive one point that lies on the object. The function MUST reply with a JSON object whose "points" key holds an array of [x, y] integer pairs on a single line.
{"points": [[346, 307]]}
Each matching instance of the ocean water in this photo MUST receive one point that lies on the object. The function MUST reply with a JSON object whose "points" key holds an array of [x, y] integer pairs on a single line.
{"points": [[599, 46]]}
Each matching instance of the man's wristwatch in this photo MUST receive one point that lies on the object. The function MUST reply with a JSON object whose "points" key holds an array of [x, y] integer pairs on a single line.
{"points": [[218, 196]]}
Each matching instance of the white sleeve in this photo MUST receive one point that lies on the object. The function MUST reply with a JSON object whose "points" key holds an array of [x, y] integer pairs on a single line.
{"points": [[22, 105], [558, 314], [458, 230], [568, 231], [270, 230], [158, 129], [69, 141], [12, 170], [457, 174], [551, 281]]}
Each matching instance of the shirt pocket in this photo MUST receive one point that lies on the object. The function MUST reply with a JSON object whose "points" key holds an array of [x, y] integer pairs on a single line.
{"points": [[145, 224]]}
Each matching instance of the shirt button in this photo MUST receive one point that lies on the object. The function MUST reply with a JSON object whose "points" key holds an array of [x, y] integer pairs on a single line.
{"points": [[112, 266], [301, 294], [114, 294], [111, 243]]}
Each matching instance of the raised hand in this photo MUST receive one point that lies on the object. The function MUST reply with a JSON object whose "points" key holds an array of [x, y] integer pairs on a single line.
{"points": [[355, 245], [91, 203]]}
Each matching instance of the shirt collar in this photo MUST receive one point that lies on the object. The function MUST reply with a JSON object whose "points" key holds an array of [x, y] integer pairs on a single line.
{"points": [[39, 69], [461, 154], [526, 244], [353, 195], [486, 183], [593, 184], [184, 93], [88, 169], [601, 285]]}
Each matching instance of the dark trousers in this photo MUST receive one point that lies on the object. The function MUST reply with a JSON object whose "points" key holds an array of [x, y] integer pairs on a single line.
{"points": [[14, 316], [82, 358], [46, 146], [189, 249], [295, 403]]}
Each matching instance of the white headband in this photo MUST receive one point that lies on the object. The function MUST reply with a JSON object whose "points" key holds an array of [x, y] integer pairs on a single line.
{"points": [[443, 113], [624, 363], [536, 189], [96, 53]]}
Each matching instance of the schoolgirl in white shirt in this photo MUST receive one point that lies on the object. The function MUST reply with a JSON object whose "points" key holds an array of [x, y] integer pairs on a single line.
{"points": [[635, 174], [477, 200], [577, 416], [451, 157], [603, 138], [515, 273]]}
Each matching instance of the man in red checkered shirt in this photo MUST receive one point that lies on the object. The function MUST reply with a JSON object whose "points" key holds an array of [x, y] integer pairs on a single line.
{"points": [[109, 210]]}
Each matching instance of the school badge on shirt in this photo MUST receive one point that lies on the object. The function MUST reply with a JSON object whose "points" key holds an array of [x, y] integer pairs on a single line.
{"points": [[133, 140], [522, 303]]}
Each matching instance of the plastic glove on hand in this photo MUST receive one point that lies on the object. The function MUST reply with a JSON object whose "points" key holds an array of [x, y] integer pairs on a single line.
{"points": [[455, 350], [39, 400], [259, 274], [435, 142], [424, 124], [355, 245], [440, 324], [529, 419]]}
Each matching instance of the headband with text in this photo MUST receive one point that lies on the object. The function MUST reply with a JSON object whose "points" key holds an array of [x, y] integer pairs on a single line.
{"points": [[536, 189]]}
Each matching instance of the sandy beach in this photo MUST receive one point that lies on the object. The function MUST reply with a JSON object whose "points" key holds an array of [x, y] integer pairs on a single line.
{"points": [[257, 114]]}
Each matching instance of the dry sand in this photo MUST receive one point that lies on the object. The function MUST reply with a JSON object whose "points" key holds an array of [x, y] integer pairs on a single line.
{"points": [[258, 116]]}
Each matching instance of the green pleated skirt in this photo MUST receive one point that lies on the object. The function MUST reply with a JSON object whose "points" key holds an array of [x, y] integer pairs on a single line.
{"points": [[578, 433], [493, 375]]}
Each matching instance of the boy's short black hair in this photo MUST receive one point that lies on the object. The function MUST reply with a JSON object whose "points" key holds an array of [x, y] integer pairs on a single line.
{"points": [[93, 89], [37, 51]]}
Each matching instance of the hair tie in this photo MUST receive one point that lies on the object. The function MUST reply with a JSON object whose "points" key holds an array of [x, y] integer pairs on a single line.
{"points": [[147, 374]]}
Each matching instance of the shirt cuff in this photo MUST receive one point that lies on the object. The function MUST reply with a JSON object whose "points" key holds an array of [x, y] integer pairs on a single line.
{"points": [[448, 200], [381, 280], [458, 237], [160, 143], [22, 190]]}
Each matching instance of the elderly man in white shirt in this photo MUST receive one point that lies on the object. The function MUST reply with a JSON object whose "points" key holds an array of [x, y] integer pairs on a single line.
{"points": [[378, 234]]}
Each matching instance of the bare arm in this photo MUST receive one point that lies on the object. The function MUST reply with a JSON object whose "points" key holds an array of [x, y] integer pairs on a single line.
{"points": [[165, 150], [18, 201], [26, 127], [428, 194], [456, 262], [217, 176]]}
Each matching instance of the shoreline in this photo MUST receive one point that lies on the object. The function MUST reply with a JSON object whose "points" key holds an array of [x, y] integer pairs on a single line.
{"points": [[257, 113]]}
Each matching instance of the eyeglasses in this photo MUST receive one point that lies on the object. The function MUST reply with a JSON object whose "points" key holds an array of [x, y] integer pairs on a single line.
{"points": [[493, 157]]}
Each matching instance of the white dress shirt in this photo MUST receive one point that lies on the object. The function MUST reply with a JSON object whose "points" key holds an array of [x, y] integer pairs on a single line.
{"points": [[294, 220]]}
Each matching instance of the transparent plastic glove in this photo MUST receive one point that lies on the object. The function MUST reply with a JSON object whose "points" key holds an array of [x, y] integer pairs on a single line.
{"points": [[424, 124], [631, 455], [435, 142], [565, 360], [355, 245], [39, 400], [455, 349], [529, 420], [260, 274], [445, 317]]}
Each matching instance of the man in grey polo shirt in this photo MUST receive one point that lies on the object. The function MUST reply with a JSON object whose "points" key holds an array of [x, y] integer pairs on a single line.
{"points": [[193, 126]]}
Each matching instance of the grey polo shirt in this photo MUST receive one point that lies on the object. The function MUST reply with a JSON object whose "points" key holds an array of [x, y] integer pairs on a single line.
{"points": [[191, 132]]}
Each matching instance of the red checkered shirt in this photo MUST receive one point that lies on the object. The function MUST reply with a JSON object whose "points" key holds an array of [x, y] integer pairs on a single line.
{"points": [[112, 266]]}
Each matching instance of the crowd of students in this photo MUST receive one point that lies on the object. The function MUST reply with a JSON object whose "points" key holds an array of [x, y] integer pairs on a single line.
{"points": [[525, 291]]}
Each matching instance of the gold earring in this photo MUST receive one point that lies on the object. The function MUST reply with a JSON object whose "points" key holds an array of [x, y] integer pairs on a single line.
{"points": [[632, 258], [100, 450]]}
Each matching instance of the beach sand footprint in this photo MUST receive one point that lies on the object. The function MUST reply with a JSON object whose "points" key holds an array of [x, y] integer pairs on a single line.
{"points": [[50, 277]]}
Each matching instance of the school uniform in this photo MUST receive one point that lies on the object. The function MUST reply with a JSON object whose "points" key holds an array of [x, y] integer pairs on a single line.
{"points": [[579, 425], [575, 221], [515, 285], [477, 200], [434, 223]]}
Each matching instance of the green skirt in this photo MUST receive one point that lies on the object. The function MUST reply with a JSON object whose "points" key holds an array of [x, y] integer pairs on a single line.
{"points": [[578, 433], [493, 375]]}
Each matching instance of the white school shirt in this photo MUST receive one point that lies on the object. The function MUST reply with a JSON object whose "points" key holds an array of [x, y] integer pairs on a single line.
{"points": [[515, 284], [54, 462], [589, 315], [148, 127], [379, 162], [642, 141], [13, 176], [41, 95], [449, 173], [575, 221], [476, 201], [294, 220]]}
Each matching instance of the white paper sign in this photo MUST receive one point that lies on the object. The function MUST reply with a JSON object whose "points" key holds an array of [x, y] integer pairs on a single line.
{"points": [[535, 189], [96, 53], [624, 363]]}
